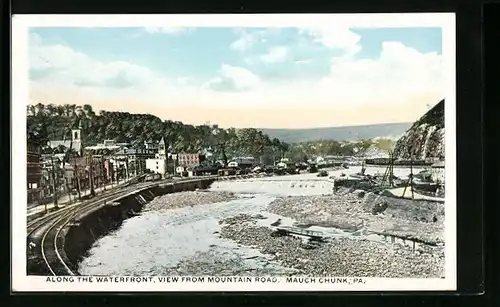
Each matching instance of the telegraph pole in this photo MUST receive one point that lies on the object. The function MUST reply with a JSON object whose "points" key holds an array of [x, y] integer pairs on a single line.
{"points": [[67, 186], [76, 177], [54, 179], [91, 177], [126, 168], [102, 174]]}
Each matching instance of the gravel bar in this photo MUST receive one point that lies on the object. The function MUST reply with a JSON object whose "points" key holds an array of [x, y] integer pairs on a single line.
{"points": [[338, 256], [418, 220]]}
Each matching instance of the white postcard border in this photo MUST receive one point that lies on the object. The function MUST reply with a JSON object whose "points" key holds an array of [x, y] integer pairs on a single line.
{"points": [[20, 89]]}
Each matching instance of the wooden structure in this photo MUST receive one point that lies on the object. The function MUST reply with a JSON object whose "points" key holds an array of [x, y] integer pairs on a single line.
{"points": [[313, 235], [409, 183]]}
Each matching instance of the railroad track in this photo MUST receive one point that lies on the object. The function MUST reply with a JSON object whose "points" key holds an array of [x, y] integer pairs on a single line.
{"points": [[45, 231]]}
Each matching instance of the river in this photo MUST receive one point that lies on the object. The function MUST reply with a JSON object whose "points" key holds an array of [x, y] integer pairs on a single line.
{"points": [[159, 242]]}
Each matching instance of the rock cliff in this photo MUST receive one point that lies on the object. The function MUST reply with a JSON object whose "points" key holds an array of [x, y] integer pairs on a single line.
{"points": [[425, 138]]}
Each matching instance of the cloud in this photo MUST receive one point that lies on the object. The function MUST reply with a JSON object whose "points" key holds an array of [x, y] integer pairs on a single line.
{"points": [[398, 73], [334, 36], [244, 42], [57, 67], [276, 54], [233, 78], [401, 78], [248, 39], [303, 61], [167, 30]]}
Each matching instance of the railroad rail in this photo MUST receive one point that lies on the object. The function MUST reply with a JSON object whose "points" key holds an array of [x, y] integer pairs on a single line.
{"points": [[43, 234]]}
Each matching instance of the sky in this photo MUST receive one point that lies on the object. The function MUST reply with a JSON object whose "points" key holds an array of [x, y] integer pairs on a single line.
{"points": [[242, 77]]}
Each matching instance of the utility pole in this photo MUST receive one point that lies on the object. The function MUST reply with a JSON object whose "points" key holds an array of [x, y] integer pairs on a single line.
{"points": [[67, 187], [54, 179], [102, 174], [126, 167], [76, 178], [91, 173]]}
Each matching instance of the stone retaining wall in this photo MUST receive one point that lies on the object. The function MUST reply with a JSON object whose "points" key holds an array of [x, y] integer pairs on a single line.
{"points": [[78, 237]]}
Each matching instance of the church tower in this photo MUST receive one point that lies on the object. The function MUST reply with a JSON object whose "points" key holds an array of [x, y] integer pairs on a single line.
{"points": [[76, 135], [76, 139], [162, 149]]}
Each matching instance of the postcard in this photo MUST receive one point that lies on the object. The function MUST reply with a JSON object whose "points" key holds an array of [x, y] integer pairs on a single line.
{"points": [[271, 152]]}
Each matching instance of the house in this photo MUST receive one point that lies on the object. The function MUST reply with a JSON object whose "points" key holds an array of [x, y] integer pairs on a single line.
{"points": [[151, 145], [96, 170], [33, 173], [53, 173], [189, 159], [157, 166], [242, 162], [80, 177], [135, 158]]}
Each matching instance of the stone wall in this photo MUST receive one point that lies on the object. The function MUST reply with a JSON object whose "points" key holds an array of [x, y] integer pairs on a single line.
{"points": [[90, 226]]}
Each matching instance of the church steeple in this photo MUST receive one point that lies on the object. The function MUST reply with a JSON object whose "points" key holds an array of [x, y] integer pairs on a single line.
{"points": [[162, 148]]}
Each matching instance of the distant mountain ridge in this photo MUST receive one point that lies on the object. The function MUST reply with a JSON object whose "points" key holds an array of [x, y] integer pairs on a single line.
{"points": [[345, 133]]}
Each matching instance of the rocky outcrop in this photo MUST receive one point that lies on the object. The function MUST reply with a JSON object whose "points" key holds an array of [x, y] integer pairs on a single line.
{"points": [[425, 138]]}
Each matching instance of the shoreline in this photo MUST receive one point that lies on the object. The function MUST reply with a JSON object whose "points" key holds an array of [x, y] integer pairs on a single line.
{"points": [[356, 253], [336, 256], [417, 220]]}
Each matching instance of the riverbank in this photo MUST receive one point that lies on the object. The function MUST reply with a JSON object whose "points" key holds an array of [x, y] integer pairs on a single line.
{"points": [[187, 199], [338, 256], [418, 220], [223, 231]]}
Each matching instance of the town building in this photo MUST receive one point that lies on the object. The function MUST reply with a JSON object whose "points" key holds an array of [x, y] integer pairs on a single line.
{"points": [[157, 166], [162, 150], [75, 142], [242, 162], [53, 173], [110, 145], [96, 172], [136, 158], [188, 159], [159, 163], [34, 173], [151, 145], [109, 170]]}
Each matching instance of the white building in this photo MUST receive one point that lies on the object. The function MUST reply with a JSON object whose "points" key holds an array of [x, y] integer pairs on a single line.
{"points": [[108, 144], [232, 164], [157, 166]]}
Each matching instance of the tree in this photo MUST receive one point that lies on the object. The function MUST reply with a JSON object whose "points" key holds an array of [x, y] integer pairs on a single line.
{"points": [[59, 149], [88, 110], [137, 128], [284, 148]]}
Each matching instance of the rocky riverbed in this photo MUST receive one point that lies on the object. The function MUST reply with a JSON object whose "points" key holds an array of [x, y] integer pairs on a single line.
{"points": [[418, 220], [188, 199], [337, 256]]}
